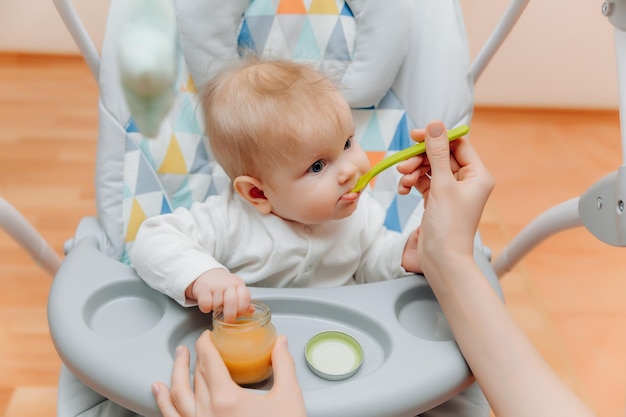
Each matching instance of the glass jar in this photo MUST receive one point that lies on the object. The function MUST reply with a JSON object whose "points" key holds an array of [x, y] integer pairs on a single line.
{"points": [[246, 345]]}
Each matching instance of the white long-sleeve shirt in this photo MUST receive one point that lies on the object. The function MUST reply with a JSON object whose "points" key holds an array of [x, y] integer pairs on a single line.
{"points": [[172, 250]]}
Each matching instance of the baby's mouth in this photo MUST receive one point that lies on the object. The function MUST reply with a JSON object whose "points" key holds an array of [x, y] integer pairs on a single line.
{"points": [[350, 196]]}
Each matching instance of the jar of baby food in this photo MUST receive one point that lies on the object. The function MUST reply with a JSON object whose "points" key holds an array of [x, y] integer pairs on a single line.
{"points": [[246, 345]]}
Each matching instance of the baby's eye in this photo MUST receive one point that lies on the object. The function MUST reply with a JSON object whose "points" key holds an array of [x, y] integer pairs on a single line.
{"points": [[348, 144], [317, 166]]}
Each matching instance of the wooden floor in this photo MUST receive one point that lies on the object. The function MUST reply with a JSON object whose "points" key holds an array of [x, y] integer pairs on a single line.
{"points": [[569, 294]]}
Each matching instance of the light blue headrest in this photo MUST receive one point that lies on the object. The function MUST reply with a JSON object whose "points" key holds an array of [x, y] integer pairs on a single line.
{"points": [[374, 33]]}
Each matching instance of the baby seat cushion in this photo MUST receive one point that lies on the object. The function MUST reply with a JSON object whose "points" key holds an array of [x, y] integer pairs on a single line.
{"points": [[361, 45], [323, 33]]}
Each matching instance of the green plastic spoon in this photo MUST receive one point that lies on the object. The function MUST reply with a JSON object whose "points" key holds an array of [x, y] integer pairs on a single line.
{"points": [[403, 155]]}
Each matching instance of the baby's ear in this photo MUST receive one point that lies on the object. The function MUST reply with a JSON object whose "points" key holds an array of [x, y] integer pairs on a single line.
{"points": [[251, 189]]}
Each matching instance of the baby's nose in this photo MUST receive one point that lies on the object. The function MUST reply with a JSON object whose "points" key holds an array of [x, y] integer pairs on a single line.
{"points": [[348, 172]]}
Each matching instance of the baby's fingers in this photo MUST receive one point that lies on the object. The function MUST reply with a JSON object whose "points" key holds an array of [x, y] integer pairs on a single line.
{"points": [[205, 302], [243, 297], [231, 304]]}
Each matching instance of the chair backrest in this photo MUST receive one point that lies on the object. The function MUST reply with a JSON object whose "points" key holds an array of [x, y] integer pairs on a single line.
{"points": [[400, 64]]}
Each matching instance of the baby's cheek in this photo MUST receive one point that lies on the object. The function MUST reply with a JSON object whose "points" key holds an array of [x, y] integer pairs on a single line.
{"points": [[364, 164]]}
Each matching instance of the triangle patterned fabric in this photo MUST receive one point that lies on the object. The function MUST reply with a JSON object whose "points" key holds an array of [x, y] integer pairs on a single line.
{"points": [[176, 168], [172, 170]]}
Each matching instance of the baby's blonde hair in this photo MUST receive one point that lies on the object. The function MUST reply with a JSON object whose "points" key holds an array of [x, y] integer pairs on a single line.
{"points": [[257, 112]]}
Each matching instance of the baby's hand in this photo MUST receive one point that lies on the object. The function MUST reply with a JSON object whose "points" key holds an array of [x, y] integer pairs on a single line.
{"points": [[410, 260], [219, 288]]}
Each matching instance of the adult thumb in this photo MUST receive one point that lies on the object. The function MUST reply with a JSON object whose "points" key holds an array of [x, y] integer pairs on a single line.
{"points": [[437, 147], [285, 377]]}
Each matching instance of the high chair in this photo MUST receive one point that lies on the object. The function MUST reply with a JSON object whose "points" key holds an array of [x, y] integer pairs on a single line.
{"points": [[402, 63]]}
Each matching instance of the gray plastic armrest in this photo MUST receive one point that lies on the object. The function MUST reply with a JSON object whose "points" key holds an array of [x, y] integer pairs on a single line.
{"points": [[88, 227]]}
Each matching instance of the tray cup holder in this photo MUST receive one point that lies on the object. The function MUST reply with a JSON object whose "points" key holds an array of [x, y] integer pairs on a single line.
{"points": [[123, 310], [419, 313]]}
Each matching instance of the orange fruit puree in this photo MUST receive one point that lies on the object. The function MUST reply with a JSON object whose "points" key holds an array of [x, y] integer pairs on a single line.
{"points": [[247, 354]]}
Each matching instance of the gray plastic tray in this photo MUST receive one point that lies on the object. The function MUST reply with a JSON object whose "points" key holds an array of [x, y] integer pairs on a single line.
{"points": [[118, 336]]}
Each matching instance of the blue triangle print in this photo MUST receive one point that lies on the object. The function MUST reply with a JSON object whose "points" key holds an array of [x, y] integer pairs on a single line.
{"points": [[130, 145], [245, 41], [345, 11], [187, 122], [147, 181], [390, 101], [405, 207], [261, 8], [125, 259], [292, 26], [126, 191], [183, 197], [372, 138], [144, 146], [401, 138], [336, 68], [258, 28], [410, 124], [307, 47], [131, 127], [201, 162], [165, 206], [212, 189], [337, 46], [392, 222]]}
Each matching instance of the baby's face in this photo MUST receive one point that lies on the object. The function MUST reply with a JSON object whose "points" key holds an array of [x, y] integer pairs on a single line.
{"points": [[314, 185]]}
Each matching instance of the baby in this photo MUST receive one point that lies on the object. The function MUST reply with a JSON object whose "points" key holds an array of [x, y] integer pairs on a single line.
{"points": [[284, 134]]}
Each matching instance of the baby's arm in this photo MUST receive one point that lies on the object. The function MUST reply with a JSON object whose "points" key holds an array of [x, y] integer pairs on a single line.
{"points": [[220, 288], [172, 251]]}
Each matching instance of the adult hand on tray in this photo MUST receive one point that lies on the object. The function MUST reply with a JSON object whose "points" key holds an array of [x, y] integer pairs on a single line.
{"points": [[216, 395]]}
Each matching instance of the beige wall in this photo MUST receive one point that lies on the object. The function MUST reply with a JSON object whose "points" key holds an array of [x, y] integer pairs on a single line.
{"points": [[561, 53], [35, 25]]}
